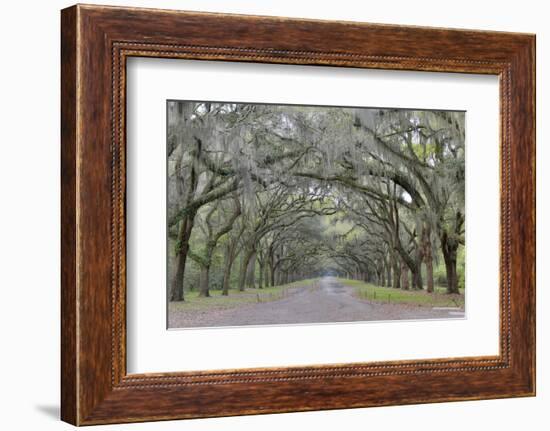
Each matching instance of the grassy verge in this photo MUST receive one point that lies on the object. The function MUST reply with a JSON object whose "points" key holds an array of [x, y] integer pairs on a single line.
{"points": [[374, 293], [236, 298]]}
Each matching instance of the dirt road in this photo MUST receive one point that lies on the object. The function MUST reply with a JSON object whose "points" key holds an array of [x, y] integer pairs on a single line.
{"points": [[327, 300]]}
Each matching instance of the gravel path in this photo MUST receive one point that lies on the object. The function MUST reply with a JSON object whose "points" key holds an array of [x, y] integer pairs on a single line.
{"points": [[325, 301]]}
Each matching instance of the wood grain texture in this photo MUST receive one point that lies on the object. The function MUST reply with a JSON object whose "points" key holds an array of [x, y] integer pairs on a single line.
{"points": [[96, 41], [69, 397]]}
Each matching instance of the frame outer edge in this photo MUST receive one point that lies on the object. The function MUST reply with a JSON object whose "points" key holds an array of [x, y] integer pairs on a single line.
{"points": [[69, 211], [523, 216], [87, 397], [532, 101], [533, 55]]}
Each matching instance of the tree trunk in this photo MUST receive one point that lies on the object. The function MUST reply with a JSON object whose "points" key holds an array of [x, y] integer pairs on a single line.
{"points": [[417, 269], [388, 273], [247, 255], [449, 249], [176, 291], [428, 258], [229, 260], [251, 271], [429, 273], [396, 273], [261, 275], [242, 270], [417, 279], [267, 275], [404, 277], [205, 275], [272, 275]]}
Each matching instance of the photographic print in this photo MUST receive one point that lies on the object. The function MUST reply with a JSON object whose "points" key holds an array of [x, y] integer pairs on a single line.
{"points": [[290, 214]]}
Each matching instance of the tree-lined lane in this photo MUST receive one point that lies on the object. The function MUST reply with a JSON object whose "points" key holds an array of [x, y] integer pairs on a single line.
{"points": [[323, 301]]}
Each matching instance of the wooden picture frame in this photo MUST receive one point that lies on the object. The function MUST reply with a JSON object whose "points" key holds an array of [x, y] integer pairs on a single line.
{"points": [[95, 43]]}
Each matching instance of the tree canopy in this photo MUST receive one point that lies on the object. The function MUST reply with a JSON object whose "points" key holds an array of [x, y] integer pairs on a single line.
{"points": [[260, 195]]}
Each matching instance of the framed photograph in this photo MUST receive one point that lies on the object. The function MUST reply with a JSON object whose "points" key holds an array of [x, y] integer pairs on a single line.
{"points": [[283, 215]]}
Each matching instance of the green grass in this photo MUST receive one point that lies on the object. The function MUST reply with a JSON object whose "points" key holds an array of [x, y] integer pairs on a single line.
{"points": [[236, 298], [374, 293]]}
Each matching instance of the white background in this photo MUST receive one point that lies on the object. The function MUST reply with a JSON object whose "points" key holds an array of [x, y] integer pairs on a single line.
{"points": [[151, 348], [29, 224]]}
